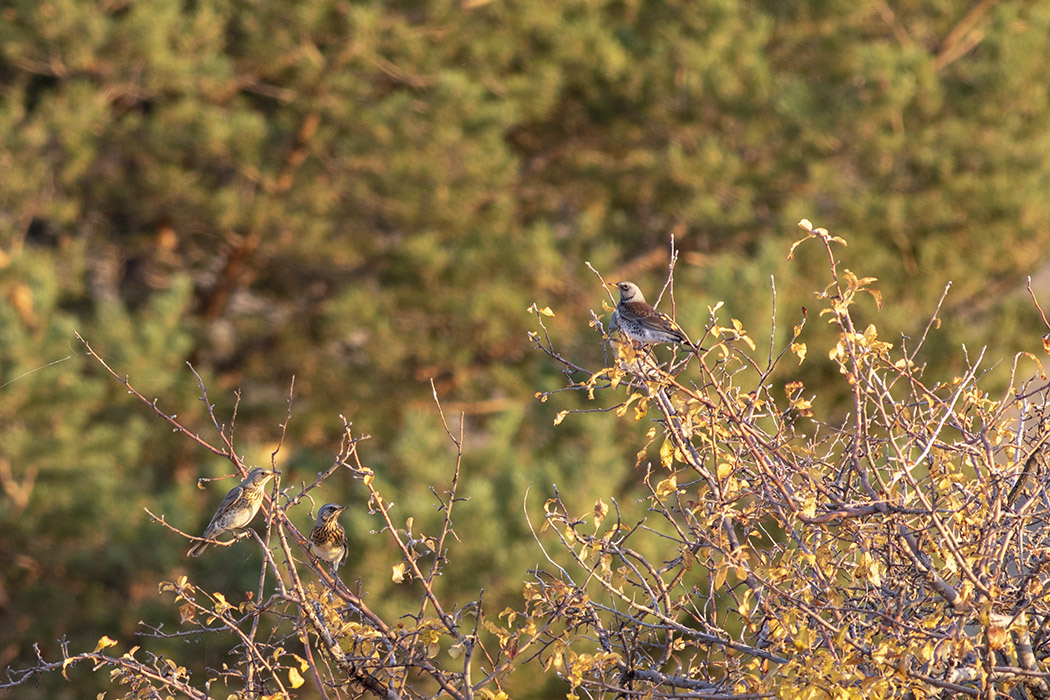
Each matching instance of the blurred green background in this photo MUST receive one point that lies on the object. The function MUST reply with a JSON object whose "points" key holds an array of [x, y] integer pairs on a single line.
{"points": [[368, 195]]}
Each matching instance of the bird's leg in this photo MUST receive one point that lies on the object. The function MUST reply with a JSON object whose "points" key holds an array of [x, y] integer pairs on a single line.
{"points": [[240, 534]]}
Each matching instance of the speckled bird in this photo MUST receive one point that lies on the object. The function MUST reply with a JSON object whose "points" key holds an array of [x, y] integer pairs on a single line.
{"points": [[237, 509], [328, 538], [641, 322]]}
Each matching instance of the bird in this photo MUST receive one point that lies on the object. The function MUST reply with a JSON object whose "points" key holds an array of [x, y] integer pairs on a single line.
{"points": [[641, 322], [328, 538], [237, 509]]}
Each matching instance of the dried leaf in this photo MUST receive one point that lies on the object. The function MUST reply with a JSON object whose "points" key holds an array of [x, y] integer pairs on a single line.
{"points": [[105, 642], [667, 486], [800, 350], [600, 511], [398, 575]]}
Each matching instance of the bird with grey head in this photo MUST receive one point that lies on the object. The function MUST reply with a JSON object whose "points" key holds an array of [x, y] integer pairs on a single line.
{"points": [[328, 538], [237, 509], [640, 322]]}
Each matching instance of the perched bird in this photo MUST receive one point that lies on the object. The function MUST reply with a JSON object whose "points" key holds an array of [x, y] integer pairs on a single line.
{"points": [[328, 538], [237, 509], [641, 322]]}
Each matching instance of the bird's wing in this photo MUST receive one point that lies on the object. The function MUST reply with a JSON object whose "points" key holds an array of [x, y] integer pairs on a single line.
{"points": [[232, 496], [346, 553], [650, 316]]}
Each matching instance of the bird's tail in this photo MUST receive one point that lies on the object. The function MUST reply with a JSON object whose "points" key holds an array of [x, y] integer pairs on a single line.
{"points": [[197, 549]]}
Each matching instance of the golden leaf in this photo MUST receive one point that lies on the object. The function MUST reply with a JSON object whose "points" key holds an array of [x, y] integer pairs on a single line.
{"points": [[104, 643], [294, 678], [667, 453], [221, 605], [622, 408], [720, 577], [800, 350], [640, 409], [809, 507], [667, 486], [398, 575], [600, 511]]}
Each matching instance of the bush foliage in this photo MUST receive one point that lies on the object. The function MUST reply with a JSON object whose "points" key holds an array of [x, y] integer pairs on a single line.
{"points": [[779, 549]]}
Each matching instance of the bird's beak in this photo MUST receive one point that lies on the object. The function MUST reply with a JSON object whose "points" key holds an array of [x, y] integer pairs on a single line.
{"points": [[610, 284]]}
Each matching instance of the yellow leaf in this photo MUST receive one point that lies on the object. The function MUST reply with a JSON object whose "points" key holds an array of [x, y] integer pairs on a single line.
{"points": [[720, 577], [545, 311], [640, 410], [221, 605], [104, 643], [809, 507], [294, 679], [600, 511], [870, 569], [667, 486], [800, 350], [667, 453], [64, 664], [399, 573], [560, 417], [622, 408]]}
